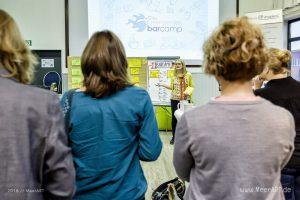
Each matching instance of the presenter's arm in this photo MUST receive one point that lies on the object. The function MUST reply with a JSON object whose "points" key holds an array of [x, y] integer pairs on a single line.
{"points": [[150, 144], [164, 85]]}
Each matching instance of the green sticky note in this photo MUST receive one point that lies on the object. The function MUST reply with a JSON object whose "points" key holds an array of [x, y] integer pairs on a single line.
{"points": [[76, 62], [76, 71], [76, 80], [134, 71]]}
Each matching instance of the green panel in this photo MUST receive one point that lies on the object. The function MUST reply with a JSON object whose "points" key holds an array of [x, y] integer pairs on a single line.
{"points": [[164, 119]]}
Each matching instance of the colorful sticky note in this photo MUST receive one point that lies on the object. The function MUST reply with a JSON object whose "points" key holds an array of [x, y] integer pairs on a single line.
{"points": [[134, 71], [135, 79], [75, 86], [170, 73], [134, 62], [75, 62], [76, 71], [154, 73], [76, 80]]}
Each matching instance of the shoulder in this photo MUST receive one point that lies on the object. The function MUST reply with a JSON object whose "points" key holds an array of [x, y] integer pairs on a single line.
{"points": [[30, 93], [277, 113], [295, 82], [29, 98], [199, 113], [133, 94], [262, 92], [188, 74], [136, 91]]}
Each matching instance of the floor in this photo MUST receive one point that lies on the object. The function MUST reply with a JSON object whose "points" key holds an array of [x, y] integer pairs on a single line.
{"points": [[161, 170]]}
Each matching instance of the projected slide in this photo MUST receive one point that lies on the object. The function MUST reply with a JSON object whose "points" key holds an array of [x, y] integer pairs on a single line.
{"points": [[156, 27]]}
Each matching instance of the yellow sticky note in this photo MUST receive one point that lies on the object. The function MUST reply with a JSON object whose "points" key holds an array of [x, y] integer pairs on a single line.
{"points": [[75, 86], [154, 73], [134, 62], [134, 71], [135, 79], [170, 73], [76, 80], [76, 62], [76, 71]]}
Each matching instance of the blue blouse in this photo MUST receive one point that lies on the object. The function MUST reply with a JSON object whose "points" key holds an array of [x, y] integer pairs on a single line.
{"points": [[109, 137]]}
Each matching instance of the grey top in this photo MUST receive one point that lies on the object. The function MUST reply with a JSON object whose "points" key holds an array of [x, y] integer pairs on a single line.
{"points": [[35, 161], [234, 150]]}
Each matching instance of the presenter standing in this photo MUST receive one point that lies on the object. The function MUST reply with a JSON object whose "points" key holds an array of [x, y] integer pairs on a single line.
{"points": [[182, 88]]}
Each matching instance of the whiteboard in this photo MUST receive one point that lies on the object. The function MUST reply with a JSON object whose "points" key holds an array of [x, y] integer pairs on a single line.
{"points": [[159, 71]]}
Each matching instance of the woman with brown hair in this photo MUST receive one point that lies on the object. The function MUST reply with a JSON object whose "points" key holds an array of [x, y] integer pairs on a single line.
{"points": [[284, 91], [112, 125], [223, 148], [36, 162]]}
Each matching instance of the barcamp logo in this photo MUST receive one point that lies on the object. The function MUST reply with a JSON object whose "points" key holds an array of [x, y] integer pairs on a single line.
{"points": [[141, 23]]}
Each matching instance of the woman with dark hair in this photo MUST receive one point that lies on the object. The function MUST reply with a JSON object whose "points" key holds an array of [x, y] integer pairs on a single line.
{"points": [[284, 91], [36, 162], [112, 125]]}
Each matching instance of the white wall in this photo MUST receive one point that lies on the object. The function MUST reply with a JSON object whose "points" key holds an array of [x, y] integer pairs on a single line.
{"points": [[78, 26], [41, 21], [227, 10], [247, 6]]}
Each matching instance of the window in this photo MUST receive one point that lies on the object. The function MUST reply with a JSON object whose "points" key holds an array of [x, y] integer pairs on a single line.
{"points": [[294, 47]]}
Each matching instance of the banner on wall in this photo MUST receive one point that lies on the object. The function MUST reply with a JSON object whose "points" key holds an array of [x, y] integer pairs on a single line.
{"points": [[271, 23]]}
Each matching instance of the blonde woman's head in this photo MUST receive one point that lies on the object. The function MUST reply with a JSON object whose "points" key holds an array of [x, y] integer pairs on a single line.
{"points": [[279, 60], [236, 51], [179, 68], [15, 56]]}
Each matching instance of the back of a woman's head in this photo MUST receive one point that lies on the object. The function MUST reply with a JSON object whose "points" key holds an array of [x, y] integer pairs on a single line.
{"points": [[104, 65], [279, 60], [15, 56], [235, 51]]}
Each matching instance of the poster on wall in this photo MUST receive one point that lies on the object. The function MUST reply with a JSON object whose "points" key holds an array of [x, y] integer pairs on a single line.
{"points": [[159, 71], [47, 73]]}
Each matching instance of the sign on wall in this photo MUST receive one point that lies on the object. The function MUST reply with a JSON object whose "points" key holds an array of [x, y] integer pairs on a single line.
{"points": [[48, 70], [271, 23], [266, 17]]}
